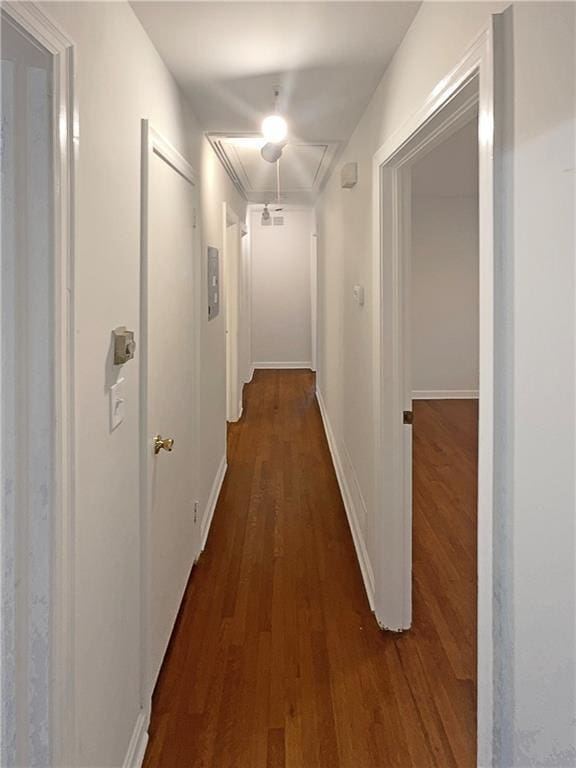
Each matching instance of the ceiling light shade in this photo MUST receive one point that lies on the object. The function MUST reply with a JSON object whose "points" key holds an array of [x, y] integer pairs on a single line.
{"points": [[274, 129], [271, 152]]}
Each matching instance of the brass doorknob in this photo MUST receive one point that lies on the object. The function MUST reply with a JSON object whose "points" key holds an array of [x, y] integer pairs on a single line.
{"points": [[166, 443]]}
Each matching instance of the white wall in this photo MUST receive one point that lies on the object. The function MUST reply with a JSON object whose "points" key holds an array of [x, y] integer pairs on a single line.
{"points": [[535, 707], [444, 269], [536, 536], [281, 330], [120, 79]]}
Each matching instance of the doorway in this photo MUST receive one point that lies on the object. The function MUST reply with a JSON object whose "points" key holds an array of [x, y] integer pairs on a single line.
{"points": [[233, 282], [443, 334], [169, 381], [36, 391], [466, 91]]}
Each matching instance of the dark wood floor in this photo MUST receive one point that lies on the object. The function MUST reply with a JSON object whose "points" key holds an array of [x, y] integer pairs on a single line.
{"points": [[276, 659]]}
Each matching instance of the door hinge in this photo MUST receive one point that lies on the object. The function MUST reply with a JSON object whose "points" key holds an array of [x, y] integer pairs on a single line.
{"points": [[194, 218], [408, 417], [195, 511]]}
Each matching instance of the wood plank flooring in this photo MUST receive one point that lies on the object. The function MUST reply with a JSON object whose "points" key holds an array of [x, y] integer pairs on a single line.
{"points": [[276, 660]]}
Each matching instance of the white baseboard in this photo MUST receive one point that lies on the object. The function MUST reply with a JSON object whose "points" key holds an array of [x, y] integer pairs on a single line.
{"points": [[251, 375], [137, 746], [305, 364], [347, 498], [212, 501], [445, 394]]}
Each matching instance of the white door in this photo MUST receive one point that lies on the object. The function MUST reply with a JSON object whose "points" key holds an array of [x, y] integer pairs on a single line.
{"points": [[171, 372]]}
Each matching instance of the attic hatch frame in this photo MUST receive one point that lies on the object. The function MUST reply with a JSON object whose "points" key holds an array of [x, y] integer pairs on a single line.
{"points": [[331, 151]]}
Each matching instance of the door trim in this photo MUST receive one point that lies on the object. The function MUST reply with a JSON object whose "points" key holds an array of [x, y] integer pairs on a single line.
{"points": [[446, 108], [152, 142], [233, 384], [34, 20]]}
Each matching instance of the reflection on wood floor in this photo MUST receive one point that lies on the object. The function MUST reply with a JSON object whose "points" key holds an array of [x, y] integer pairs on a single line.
{"points": [[276, 659]]}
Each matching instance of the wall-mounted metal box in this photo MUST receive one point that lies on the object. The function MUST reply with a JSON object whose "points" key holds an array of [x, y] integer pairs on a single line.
{"points": [[124, 345]]}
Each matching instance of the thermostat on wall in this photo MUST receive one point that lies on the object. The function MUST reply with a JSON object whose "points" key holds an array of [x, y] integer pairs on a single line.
{"points": [[124, 345]]}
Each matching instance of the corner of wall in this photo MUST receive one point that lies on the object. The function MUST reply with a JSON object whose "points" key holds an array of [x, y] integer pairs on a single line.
{"points": [[351, 498], [212, 503]]}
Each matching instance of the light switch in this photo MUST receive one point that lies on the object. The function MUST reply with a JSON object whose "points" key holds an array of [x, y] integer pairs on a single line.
{"points": [[358, 294], [117, 404]]}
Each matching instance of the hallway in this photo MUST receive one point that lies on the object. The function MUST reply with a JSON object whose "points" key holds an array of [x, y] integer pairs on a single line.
{"points": [[276, 659]]}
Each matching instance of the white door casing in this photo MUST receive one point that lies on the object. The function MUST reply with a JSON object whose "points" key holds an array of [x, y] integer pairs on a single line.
{"points": [[313, 299], [232, 269], [44, 547], [469, 87]]}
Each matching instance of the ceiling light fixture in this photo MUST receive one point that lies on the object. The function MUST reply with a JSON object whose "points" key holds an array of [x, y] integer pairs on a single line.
{"points": [[271, 152], [274, 127]]}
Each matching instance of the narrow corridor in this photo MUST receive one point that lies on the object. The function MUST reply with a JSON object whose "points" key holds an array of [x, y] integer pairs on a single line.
{"points": [[276, 659]]}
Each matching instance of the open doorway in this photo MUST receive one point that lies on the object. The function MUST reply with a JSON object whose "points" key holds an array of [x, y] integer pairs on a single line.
{"points": [[464, 93], [36, 391], [233, 280], [443, 292]]}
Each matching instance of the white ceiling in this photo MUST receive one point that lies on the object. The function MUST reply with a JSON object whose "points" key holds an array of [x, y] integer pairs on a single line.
{"points": [[327, 57]]}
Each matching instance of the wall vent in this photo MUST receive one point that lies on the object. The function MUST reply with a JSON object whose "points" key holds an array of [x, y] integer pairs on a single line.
{"points": [[278, 221]]}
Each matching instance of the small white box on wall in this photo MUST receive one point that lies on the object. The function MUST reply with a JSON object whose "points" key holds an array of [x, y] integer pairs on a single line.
{"points": [[349, 175]]}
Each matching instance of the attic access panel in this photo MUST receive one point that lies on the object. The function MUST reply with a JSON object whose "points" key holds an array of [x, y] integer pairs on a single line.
{"points": [[304, 168]]}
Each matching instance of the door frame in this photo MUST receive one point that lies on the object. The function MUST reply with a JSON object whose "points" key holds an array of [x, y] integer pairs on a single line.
{"points": [[470, 85], [38, 24], [232, 282], [154, 143], [314, 297]]}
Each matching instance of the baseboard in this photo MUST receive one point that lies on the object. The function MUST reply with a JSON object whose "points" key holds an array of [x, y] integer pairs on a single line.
{"points": [[212, 501], [251, 375], [445, 394], [306, 364], [349, 506], [137, 746]]}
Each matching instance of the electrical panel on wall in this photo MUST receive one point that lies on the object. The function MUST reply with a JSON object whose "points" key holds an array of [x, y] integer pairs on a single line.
{"points": [[213, 283]]}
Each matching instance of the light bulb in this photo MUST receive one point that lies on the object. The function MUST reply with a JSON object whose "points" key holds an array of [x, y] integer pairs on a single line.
{"points": [[274, 129]]}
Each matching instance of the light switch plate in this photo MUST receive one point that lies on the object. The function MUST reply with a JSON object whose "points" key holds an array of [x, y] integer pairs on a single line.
{"points": [[117, 404]]}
